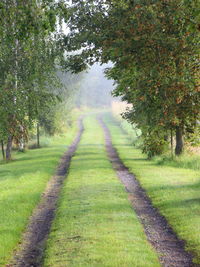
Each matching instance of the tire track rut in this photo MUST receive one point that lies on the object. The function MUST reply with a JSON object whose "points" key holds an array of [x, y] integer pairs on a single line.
{"points": [[31, 250], [170, 249]]}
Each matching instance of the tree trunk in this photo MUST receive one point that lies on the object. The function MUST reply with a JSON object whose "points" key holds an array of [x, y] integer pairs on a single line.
{"points": [[166, 138], [172, 144], [38, 135], [2, 149], [9, 148], [179, 141], [21, 145]]}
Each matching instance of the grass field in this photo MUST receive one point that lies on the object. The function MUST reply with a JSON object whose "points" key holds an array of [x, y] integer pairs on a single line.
{"points": [[174, 186], [22, 182], [95, 224]]}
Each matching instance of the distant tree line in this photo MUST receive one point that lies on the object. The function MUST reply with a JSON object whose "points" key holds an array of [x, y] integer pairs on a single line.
{"points": [[154, 47]]}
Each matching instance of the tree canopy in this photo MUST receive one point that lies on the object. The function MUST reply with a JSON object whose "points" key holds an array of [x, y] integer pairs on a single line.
{"points": [[154, 46], [30, 54]]}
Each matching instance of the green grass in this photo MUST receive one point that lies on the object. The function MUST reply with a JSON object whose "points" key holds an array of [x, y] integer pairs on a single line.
{"points": [[173, 186], [22, 181], [186, 161], [133, 133], [95, 224]]}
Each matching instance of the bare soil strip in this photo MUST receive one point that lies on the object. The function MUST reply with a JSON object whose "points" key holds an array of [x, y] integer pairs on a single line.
{"points": [[162, 237], [32, 247]]}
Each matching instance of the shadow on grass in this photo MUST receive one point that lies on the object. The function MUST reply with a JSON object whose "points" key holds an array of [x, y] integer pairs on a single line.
{"points": [[191, 205], [187, 187], [138, 159], [83, 196], [44, 160], [187, 162], [187, 202], [30, 163], [92, 145]]}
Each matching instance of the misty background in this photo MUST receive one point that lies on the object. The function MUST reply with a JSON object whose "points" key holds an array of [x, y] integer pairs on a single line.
{"points": [[94, 88]]}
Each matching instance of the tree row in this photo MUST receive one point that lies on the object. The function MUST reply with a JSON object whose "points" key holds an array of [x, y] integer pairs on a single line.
{"points": [[154, 48]]}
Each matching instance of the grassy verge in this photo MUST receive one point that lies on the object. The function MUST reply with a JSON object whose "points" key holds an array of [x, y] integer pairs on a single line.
{"points": [[22, 182], [188, 160], [95, 224], [173, 187]]}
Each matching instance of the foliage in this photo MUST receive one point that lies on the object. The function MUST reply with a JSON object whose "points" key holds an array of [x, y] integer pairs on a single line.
{"points": [[154, 46], [24, 48], [55, 118], [154, 144], [30, 52]]}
